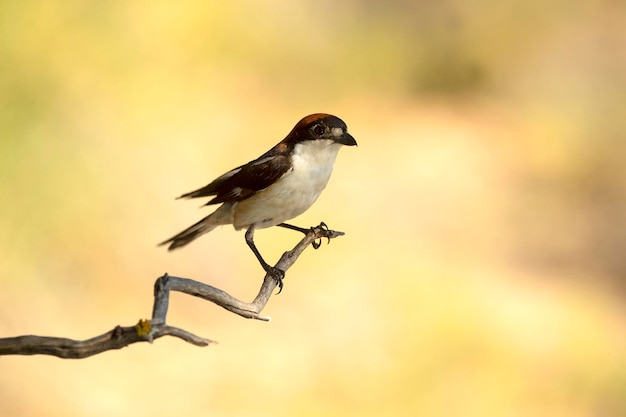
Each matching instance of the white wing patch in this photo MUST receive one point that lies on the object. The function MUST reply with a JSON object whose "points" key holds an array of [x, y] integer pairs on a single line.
{"points": [[262, 160], [228, 174]]}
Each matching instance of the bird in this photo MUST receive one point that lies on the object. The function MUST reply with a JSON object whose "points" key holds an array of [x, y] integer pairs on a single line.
{"points": [[275, 187]]}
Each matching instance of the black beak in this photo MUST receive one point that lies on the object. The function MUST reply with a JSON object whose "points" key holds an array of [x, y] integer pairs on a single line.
{"points": [[346, 139]]}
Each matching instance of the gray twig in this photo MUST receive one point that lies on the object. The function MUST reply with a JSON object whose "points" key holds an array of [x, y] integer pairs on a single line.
{"points": [[149, 330]]}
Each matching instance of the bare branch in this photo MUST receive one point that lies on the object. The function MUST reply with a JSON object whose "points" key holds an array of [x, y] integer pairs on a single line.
{"points": [[117, 338], [149, 330]]}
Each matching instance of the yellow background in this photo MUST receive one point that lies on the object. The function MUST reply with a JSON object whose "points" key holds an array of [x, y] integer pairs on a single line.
{"points": [[483, 268]]}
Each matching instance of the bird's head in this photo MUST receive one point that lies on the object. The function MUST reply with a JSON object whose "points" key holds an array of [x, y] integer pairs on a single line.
{"points": [[321, 126]]}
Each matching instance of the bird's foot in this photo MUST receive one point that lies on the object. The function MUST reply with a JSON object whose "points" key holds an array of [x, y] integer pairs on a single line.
{"points": [[319, 231], [322, 231], [278, 275]]}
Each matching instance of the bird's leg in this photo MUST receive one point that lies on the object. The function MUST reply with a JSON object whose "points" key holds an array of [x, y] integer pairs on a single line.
{"points": [[276, 273], [296, 228], [315, 244]]}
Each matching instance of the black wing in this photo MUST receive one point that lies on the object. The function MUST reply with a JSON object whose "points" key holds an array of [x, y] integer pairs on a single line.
{"points": [[245, 181]]}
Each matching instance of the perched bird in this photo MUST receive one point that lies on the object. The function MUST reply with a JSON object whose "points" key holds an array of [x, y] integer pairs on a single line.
{"points": [[277, 186]]}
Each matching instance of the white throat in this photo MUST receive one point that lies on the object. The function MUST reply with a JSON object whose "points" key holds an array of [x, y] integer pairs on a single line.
{"points": [[314, 160]]}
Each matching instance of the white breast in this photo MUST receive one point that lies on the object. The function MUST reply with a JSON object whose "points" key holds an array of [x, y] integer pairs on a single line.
{"points": [[295, 192]]}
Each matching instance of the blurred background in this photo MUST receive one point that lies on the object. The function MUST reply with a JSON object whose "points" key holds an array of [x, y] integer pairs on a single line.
{"points": [[483, 270]]}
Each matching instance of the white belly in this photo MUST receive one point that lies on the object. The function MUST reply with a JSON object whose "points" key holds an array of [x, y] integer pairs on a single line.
{"points": [[295, 192]]}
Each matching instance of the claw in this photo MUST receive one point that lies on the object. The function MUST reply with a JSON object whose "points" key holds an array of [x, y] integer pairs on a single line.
{"points": [[278, 275], [326, 231]]}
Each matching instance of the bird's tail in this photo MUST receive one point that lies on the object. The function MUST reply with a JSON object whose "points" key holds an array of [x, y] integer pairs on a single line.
{"points": [[191, 233], [219, 217]]}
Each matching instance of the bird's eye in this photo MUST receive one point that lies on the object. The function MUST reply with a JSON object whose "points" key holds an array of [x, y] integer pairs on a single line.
{"points": [[318, 130]]}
